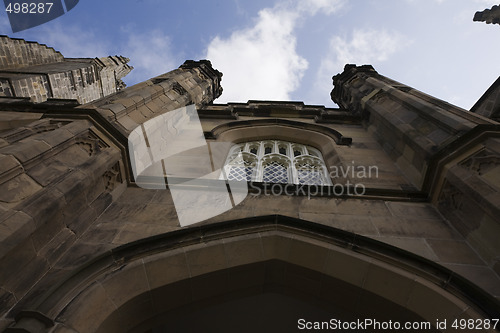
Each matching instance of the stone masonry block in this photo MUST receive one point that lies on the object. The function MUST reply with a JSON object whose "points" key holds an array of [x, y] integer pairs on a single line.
{"points": [[48, 171], [243, 250], [16, 230], [87, 312], [163, 269], [206, 257], [45, 206], [132, 281], [26, 149], [57, 246], [54, 138], [390, 283], [18, 189]]}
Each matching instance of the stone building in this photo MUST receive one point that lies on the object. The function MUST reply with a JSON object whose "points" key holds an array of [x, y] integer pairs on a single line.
{"points": [[386, 208]]}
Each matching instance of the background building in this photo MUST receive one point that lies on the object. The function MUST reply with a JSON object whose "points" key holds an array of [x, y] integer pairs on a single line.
{"points": [[84, 249]]}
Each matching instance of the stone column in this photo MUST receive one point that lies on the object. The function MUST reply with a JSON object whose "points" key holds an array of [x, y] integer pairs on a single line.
{"points": [[451, 154], [56, 177], [194, 82], [63, 169], [410, 125]]}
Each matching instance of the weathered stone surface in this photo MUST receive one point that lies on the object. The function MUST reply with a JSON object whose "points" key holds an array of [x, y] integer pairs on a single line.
{"points": [[27, 150], [132, 282], [58, 245], [359, 224], [48, 172], [9, 165], [21, 282], [414, 227], [79, 254], [46, 205], [18, 189], [404, 210], [415, 245], [489, 15], [89, 319], [7, 300], [38, 53], [483, 276]]}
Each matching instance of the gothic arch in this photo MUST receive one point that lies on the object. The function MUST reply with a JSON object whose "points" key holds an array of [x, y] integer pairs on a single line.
{"points": [[134, 283]]}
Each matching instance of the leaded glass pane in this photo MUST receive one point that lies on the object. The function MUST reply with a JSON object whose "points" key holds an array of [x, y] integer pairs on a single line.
{"points": [[275, 172], [310, 177], [310, 173], [240, 173]]}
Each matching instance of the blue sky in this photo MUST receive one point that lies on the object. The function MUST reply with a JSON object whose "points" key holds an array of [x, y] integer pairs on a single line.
{"points": [[288, 49]]}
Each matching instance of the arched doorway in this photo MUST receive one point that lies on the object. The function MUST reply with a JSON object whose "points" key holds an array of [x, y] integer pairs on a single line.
{"points": [[292, 266]]}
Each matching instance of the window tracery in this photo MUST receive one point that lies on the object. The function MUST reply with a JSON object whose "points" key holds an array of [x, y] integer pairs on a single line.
{"points": [[276, 161]]}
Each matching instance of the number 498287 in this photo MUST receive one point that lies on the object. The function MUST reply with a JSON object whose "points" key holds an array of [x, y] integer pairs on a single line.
{"points": [[29, 8]]}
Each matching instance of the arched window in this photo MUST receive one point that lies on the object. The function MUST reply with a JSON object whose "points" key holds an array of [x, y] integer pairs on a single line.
{"points": [[276, 161]]}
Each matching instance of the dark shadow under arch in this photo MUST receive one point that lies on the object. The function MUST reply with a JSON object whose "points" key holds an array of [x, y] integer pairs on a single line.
{"points": [[268, 296]]}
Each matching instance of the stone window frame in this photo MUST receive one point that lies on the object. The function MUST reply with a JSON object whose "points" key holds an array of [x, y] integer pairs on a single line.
{"points": [[252, 157]]}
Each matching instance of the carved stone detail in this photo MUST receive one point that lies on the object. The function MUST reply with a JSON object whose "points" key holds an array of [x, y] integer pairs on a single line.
{"points": [[91, 143], [112, 177], [179, 89], [88, 145], [451, 197], [481, 162], [202, 75]]}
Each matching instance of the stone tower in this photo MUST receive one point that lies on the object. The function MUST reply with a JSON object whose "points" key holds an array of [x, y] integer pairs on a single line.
{"points": [[385, 209], [32, 70]]}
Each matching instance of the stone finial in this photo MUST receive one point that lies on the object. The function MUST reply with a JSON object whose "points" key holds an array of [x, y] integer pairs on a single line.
{"points": [[489, 15], [205, 67]]}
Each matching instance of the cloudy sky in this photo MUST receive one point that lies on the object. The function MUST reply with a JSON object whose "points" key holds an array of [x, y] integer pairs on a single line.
{"points": [[288, 49]]}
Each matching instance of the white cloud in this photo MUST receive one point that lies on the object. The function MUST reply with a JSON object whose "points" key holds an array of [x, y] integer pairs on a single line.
{"points": [[327, 7], [262, 62], [150, 54], [365, 47]]}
